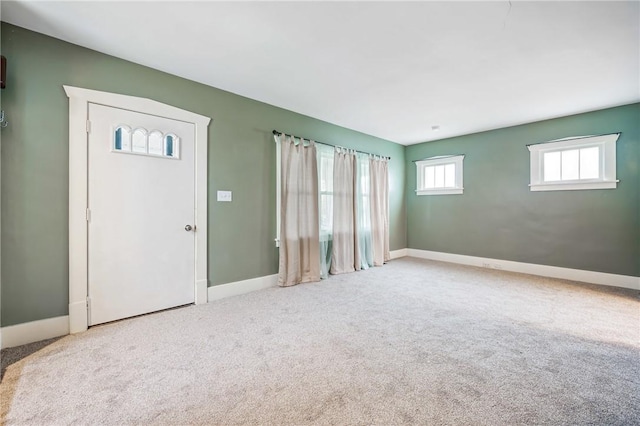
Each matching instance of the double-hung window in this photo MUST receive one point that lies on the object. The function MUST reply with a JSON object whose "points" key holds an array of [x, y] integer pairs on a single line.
{"points": [[325, 190], [439, 175], [587, 162]]}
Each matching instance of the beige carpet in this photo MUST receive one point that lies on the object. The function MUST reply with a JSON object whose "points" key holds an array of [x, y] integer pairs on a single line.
{"points": [[413, 342]]}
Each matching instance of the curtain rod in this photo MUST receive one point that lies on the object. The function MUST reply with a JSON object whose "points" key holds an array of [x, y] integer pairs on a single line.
{"points": [[278, 133]]}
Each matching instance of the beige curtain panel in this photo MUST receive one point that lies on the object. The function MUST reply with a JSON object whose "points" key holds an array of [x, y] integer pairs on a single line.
{"points": [[345, 254], [379, 170], [299, 224]]}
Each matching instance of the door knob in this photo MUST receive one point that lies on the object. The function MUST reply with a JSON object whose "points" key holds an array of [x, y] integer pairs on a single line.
{"points": [[188, 228]]}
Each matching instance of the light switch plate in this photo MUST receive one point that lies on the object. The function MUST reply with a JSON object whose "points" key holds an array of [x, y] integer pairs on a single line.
{"points": [[225, 196]]}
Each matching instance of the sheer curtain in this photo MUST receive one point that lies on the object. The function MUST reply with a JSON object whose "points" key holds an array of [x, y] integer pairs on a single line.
{"points": [[379, 172], [345, 253], [325, 178], [299, 223]]}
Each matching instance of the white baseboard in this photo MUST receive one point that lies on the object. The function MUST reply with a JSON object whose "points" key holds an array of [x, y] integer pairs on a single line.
{"points": [[592, 277], [395, 254], [241, 287], [34, 331]]}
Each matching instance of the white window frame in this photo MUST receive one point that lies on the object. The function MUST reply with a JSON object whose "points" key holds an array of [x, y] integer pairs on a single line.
{"points": [[607, 163], [421, 165]]}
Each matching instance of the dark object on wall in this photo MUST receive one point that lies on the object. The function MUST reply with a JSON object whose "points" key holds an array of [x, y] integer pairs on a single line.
{"points": [[3, 72]]}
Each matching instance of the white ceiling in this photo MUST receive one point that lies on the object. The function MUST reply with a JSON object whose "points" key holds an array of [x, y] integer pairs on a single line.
{"points": [[388, 69]]}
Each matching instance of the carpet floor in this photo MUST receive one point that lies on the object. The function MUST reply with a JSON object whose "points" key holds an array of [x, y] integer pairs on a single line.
{"points": [[413, 342]]}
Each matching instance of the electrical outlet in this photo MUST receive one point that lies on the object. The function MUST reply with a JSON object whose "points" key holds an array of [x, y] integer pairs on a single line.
{"points": [[486, 265], [496, 266]]}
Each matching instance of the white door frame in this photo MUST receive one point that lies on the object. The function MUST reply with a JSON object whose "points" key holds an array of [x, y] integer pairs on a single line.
{"points": [[79, 100]]}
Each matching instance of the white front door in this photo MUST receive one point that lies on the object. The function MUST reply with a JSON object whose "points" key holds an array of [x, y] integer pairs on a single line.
{"points": [[141, 197]]}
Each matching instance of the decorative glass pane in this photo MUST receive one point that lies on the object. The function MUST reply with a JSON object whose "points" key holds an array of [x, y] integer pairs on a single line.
{"points": [[139, 141], [118, 142], [589, 163], [155, 143], [126, 139], [570, 164], [429, 177], [450, 175], [551, 164], [122, 139], [171, 147]]}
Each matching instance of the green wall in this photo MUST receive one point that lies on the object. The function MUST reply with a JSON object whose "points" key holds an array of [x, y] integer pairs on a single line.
{"points": [[35, 166], [498, 217]]}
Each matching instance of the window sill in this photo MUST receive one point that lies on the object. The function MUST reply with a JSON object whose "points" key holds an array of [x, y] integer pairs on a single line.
{"points": [[448, 191], [573, 186]]}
